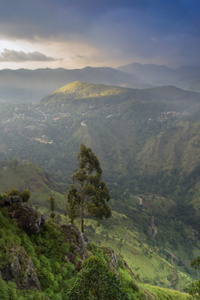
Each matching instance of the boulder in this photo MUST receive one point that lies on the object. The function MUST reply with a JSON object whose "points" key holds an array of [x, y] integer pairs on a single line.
{"points": [[26, 217], [21, 270], [15, 199], [7, 201]]}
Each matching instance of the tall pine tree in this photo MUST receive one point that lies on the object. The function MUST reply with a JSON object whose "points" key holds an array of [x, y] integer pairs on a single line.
{"points": [[92, 193]]}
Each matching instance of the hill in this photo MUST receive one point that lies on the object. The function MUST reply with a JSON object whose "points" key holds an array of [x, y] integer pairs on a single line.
{"points": [[144, 140], [23, 86]]}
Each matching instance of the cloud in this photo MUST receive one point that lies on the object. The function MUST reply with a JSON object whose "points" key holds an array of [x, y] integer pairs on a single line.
{"points": [[36, 19], [115, 29], [20, 56]]}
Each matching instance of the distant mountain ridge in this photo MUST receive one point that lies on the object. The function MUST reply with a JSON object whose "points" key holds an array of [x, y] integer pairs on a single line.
{"points": [[31, 85], [186, 77], [22, 86]]}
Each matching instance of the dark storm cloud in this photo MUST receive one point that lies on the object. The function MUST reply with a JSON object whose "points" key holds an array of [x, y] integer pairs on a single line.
{"points": [[145, 28], [20, 56]]}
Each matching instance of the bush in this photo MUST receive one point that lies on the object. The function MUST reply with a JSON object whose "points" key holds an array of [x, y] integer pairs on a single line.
{"points": [[95, 282], [25, 195]]}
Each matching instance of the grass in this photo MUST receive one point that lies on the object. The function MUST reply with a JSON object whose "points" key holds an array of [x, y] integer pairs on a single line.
{"points": [[166, 294], [32, 177], [121, 233], [141, 258]]}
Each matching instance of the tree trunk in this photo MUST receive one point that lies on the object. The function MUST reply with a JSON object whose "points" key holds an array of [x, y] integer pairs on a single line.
{"points": [[82, 209]]}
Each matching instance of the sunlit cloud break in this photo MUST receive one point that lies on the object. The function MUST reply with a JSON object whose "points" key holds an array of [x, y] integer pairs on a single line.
{"points": [[18, 56]]}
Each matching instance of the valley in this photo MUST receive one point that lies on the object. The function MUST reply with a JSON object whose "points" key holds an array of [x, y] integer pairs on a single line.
{"points": [[147, 141], [100, 150]]}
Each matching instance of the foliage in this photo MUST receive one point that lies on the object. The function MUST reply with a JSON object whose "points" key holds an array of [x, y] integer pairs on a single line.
{"points": [[95, 282], [91, 192], [25, 194], [73, 203], [166, 294], [52, 205], [194, 289], [50, 251], [195, 263], [13, 163]]}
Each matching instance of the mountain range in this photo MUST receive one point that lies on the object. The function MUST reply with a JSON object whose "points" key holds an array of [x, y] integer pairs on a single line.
{"points": [[186, 77], [31, 85]]}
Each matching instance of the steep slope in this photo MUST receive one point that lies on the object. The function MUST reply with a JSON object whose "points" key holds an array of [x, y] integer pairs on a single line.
{"points": [[55, 264], [32, 177], [128, 234]]}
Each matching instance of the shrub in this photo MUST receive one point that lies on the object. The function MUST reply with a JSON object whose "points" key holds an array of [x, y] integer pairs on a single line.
{"points": [[95, 282]]}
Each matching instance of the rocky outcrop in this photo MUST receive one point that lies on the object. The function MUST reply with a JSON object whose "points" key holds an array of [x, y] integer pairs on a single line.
{"points": [[26, 217], [79, 241], [113, 257], [73, 235], [21, 270], [8, 201]]}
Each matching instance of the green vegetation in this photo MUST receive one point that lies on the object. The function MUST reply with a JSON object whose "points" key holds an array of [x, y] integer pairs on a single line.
{"points": [[147, 142], [91, 187], [73, 203], [55, 258], [165, 294], [31, 177], [52, 207], [95, 282]]}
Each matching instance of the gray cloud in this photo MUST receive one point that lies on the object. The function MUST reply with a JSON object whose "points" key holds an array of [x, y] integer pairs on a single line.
{"points": [[130, 28], [21, 56]]}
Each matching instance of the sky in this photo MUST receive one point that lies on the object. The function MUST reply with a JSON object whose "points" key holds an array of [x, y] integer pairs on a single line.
{"points": [[74, 34]]}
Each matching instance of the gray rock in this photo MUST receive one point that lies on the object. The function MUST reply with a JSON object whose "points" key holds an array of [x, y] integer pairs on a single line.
{"points": [[15, 267], [83, 240], [80, 241], [15, 199], [27, 218], [32, 280], [21, 270], [114, 260], [113, 257]]}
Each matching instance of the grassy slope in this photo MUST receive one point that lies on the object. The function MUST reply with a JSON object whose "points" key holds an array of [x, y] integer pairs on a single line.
{"points": [[32, 177], [81, 90], [177, 146], [49, 250], [121, 233], [142, 258]]}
